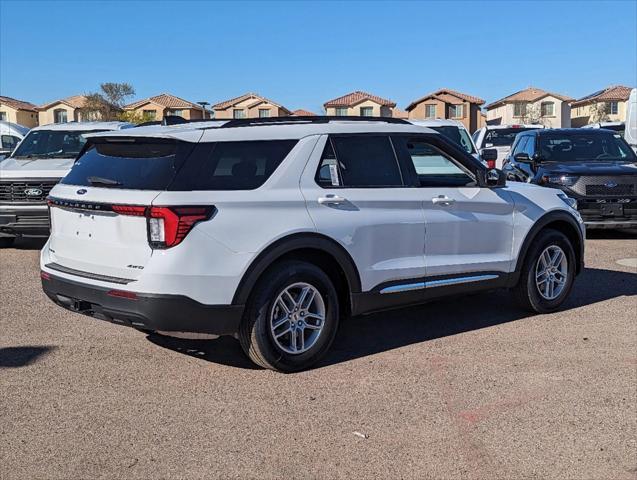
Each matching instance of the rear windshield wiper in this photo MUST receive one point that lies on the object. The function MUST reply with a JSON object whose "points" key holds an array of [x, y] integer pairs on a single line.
{"points": [[106, 182]]}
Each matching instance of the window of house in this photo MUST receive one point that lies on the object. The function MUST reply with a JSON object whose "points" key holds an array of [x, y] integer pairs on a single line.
{"points": [[430, 111], [366, 111], [3, 116], [264, 112], [238, 113], [150, 114], [60, 115], [613, 108], [359, 162], [547, 109], [456, 111], [179, 113], [519, 109], [341, 111]]}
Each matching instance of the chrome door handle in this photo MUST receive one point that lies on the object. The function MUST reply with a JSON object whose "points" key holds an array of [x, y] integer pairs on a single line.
{"points": [[442, 200], [329, 198]]}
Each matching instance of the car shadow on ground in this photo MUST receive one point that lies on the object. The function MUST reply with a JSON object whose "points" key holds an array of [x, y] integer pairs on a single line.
{"points": [[371, 334], [15, 357], [29, 243], [610, 234]]}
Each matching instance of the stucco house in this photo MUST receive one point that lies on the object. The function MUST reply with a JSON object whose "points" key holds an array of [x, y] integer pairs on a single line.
{"points": [[448, 104], [531, 105], [165, 104], [608, 104], [64, 110], [302, 113], [18, 111], [249, 105], [360, 104]]}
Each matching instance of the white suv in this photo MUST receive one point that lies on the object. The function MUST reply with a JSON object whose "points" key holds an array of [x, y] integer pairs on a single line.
{"points": [[499, 138], [39, 161], [274, 229]]}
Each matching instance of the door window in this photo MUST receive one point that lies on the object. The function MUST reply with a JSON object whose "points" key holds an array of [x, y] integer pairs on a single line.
{"points": [[436, 168], [360, 162]]}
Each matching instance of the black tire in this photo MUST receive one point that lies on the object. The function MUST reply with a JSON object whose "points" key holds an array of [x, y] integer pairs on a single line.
{"points": [[526, 292], [255, 334], [6, 242]]}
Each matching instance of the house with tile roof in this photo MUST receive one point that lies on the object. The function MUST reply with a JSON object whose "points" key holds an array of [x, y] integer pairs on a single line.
{"points": [[64, 110], [360, 104], [18, 111], [249, 105], [448, 104], [165, 104], [531, 105], [608, 104]]}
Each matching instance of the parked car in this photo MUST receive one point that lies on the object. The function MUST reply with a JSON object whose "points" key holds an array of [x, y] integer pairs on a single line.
{"points": [[273, 230], [44, 156], [596, 167], [630, 133], [618, 127], [500, 138], [456, 132], [10, 135]]}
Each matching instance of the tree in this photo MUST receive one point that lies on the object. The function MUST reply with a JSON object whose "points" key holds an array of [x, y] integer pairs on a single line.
{"points": [[133, 116], [107, 104], [599, 113], [532, 115]]}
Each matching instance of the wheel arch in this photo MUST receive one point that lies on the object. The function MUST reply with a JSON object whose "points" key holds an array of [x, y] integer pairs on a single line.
{"points": [[561, 221], [312, 247]]}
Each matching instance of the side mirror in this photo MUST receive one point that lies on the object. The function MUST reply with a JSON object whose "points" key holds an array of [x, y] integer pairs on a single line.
{"points": [[522, 157], [493, 178]]}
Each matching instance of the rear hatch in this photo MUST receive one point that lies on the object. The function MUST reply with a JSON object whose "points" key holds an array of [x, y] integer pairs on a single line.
{"points": [[99, 225]]}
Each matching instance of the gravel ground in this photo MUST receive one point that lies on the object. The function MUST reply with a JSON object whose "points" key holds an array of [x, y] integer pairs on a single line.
{"points": [[456, 389]]}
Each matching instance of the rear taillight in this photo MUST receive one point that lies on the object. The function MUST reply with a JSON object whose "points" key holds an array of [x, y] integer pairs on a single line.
{"points": [[491, 163], [167, 226]]}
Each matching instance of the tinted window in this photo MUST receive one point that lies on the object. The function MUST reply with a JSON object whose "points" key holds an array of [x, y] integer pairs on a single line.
{"points": [[232, 165], [138, 166], [518, 145], [367, 161], [529, 146], [434, 167], [328, 174], [581, 147], [501, 137], [456, 135], [9, 141], [52, 144]]}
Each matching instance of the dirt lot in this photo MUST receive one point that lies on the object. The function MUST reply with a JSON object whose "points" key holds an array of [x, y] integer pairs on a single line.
{"points": [[470, 388]]}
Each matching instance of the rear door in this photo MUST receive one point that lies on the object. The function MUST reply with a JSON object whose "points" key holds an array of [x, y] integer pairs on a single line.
{"points": [[355, 193], [98, 222], [468, 228]]}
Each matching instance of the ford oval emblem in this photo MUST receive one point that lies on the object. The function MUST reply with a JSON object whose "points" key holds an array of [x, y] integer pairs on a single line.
{"points": [[33, 192], [81, 191], [610, 184]]}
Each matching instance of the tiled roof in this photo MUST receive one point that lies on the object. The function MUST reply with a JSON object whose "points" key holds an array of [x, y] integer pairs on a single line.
{"points": [[446, 95], [18, 104], [530, 94], [609, 94], [303, 113], [357, 97], [165, 100], [75, 101], [258, 99], [398, 113]]}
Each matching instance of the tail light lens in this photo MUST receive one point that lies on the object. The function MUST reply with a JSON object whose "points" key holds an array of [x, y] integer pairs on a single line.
{"points": [[167, 226], [491, 163]]}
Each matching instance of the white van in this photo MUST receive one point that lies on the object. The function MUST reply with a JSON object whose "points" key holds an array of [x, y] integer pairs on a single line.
{"points": [[10, 135], [630, 134]]}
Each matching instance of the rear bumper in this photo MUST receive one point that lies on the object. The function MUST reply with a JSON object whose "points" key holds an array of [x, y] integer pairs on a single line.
{"points": [[24, 221], [171, 313]]}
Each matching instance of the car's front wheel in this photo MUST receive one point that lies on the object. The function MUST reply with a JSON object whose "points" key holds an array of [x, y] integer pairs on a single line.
{"points": [[291, 318], [547, 274]]}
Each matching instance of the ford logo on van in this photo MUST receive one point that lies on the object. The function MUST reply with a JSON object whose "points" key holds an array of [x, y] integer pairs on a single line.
{"points": [[33, 192], [81, 191]]}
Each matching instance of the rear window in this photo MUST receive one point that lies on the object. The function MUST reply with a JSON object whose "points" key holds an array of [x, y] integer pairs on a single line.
{"points": [[180, 166], [502, 137], [135, 165]]}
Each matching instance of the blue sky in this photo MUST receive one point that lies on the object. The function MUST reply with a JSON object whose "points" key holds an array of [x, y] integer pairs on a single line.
{"points": [[301, 54]]}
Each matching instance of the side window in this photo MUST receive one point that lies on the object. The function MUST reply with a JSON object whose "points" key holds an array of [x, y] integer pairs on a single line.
{"points": [[434, 167], [518, 145], [529, 146], [9, 141], [359, 162]]}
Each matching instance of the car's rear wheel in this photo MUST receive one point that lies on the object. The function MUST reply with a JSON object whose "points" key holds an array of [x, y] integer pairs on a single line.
{"points": [[547, 274], [291, 318], [6, 242]]}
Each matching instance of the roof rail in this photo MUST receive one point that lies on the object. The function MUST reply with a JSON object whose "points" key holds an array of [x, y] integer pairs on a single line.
{"points": [[249, 122]]}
